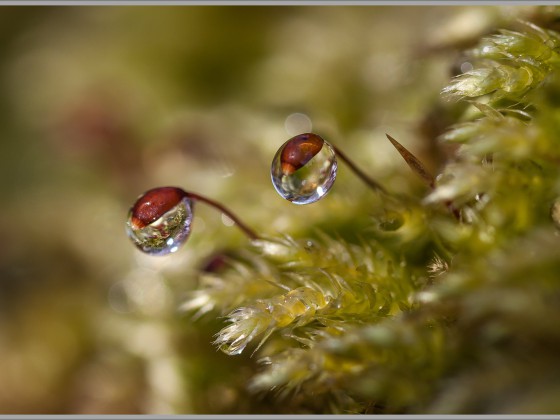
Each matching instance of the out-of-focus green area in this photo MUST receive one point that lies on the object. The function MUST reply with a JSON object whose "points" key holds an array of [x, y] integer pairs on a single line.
{"points": [[99, 104]]}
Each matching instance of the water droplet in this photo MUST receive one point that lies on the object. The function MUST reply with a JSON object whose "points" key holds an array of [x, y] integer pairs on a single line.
{"points": [[304, 169], [391, 222], [160, 220]]}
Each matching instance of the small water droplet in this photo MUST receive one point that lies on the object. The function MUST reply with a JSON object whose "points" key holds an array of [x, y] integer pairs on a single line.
{"points": [[160, 220], [391, 222], [304, 169], [309, 246]]}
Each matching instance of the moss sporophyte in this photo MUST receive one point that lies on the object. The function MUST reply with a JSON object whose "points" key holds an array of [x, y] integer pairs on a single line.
{"points": [[160, 220]]}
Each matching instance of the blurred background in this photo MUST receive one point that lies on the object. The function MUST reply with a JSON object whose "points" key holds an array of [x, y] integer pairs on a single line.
{"points": [[99, 104]]}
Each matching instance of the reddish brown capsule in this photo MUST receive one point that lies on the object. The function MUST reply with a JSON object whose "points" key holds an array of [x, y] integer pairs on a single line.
{"points": [[153, 204], [299, 150]]}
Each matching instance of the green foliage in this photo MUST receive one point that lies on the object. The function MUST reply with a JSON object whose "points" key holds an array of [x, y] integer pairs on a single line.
{"points": [[428, 312], [513, 64], [324, 282]]}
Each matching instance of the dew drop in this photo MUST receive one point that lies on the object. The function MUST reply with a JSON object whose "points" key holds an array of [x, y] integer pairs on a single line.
{"points": [[160, 220], [304, 169], [391, 222]]}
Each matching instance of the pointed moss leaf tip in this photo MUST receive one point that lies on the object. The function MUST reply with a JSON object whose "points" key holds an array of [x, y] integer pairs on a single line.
{"points": [[412, 161]]}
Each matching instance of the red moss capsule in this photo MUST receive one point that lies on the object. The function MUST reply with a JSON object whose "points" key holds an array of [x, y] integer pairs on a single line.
{"points": [[153, 204], [299, 150]]}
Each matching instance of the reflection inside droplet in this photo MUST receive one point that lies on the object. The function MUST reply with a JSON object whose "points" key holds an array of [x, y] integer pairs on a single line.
{"points": [[304, 169]]}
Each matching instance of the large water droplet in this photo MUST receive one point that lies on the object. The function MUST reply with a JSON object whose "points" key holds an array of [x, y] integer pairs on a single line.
{"points": [[160, 220], [304, 169]]}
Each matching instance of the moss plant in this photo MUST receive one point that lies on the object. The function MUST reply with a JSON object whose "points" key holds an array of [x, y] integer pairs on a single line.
{"points": [[426, 312]]}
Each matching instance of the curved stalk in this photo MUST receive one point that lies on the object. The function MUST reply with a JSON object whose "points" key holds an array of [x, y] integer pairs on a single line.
{"points": [[246, 230]]}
